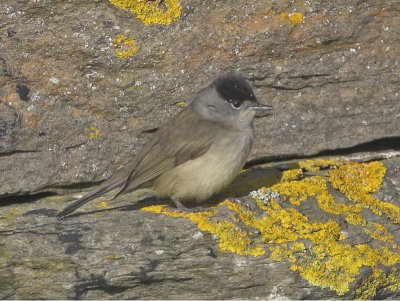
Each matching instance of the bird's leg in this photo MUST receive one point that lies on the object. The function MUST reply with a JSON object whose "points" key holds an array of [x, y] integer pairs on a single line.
{"points": [[181, 208]]}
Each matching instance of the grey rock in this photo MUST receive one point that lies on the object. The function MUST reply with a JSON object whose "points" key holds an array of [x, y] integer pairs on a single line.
{"points": [[120, 252], [71, 112]]}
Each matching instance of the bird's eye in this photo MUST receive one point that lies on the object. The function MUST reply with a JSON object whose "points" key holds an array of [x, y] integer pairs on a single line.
{"points": [[236, 104]]}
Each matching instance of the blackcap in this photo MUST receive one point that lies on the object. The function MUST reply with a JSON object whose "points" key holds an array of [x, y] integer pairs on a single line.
{"points": [[197, 153]]}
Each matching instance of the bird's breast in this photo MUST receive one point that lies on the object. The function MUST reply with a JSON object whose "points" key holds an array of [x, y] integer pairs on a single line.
{"points": [[200, 178]]}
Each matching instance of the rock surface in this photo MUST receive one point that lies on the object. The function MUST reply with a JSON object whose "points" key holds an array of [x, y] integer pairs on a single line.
{"points": [[304, 251], [73, 109], [83, 84]]}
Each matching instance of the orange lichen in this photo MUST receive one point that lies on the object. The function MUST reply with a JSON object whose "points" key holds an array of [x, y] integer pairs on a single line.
{"points": [[152, 12]]}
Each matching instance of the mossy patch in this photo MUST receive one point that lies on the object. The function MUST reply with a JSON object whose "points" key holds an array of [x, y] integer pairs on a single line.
{"points": [[38, 273], [11, 215]]}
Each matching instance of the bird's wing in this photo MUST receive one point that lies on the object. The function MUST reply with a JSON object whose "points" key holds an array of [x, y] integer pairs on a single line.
{"points": [[170, 146], [175, 144]]}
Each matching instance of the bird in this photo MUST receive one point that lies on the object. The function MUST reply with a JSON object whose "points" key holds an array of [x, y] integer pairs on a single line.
{"points": [[195, 154]]}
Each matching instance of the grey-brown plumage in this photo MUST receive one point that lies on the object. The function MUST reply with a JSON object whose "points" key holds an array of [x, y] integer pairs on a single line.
{"points": [[197, 153]]}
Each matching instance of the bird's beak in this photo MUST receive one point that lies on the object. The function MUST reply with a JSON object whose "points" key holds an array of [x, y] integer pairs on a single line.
{"points": [[261, 109]]}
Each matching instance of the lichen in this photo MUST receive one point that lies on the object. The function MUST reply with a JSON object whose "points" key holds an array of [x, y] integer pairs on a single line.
{"points": [[102, 205], [368, 175], [264, 194], [292, 174], [329, 263], [38, 273], [94, 133], [152, 12], [182, 104], [295, 18], [318, 251], [124, 47], [11, 216], [284, 16], [112, 257], [378, 279], [317, 164], [358, 180], [231, 238]]}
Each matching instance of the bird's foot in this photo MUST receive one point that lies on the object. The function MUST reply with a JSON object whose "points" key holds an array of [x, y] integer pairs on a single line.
{"points": [[189, 210], [183, 209]]}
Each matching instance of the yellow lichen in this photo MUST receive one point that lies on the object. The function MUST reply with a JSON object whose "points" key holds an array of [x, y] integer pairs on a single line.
{"points": [[358, 180], [292, 174], [317, 164], [378, 279], [11, 215], [94, 133], [295, 18], [316, 250], [124, 47], [284, 16], [297, 191], [112, 257], [231, 238], [102, 205], [331, 263], [354, 178], [379, 232], [181, 104], [152, 11]]}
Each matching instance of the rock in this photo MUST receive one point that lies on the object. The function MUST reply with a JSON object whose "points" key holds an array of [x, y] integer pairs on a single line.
{"points": [[302, 238], [83, 84]]}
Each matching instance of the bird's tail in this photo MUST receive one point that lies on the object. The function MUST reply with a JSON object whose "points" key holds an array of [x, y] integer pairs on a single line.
{"points": [[104, 188]]}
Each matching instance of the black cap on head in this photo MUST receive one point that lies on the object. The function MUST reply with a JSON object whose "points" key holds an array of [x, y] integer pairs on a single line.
{"points": [[233, 87]]}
